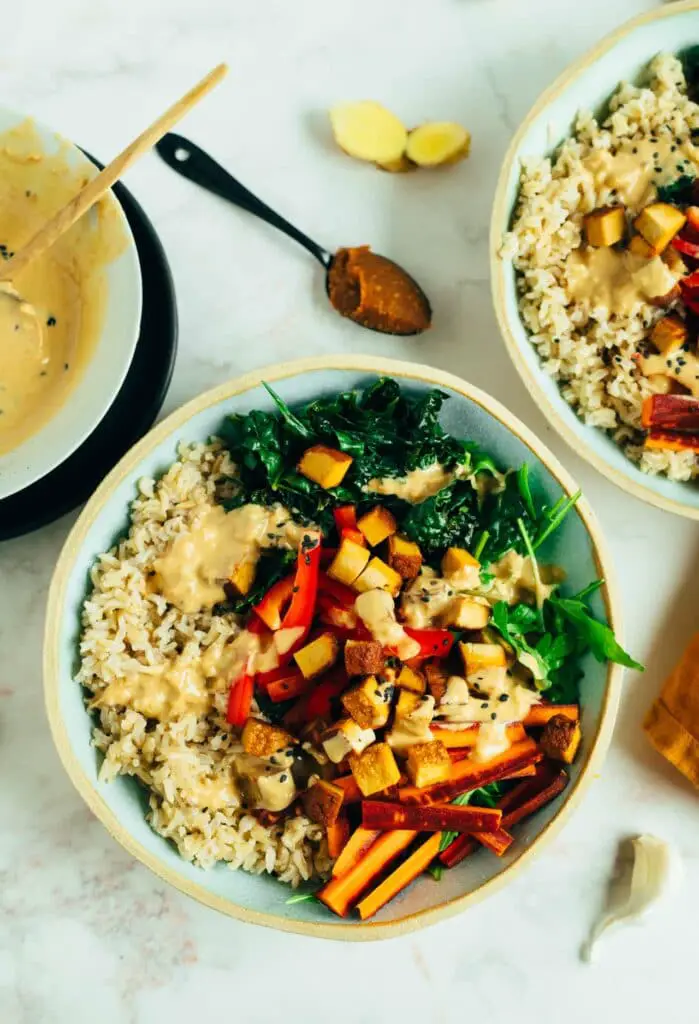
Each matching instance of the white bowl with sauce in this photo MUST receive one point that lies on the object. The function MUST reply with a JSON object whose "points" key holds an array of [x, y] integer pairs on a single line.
{"points": [[587, 84], [260, 899], [87, 294]]}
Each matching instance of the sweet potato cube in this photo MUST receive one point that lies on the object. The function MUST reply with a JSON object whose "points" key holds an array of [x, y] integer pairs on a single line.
{"points": [[409, 679], [437, 679], [263, 740], [319, 655], [467, 613], [455, 560], [322, 802], [560, 739], [404, 556], [344, 738], [363, 657], [428, 763], [658, 224], [479, 656], [639, 247], [605, 226], [407, 703], [375, 769], [669, 334], [349, 562], [243, 577], [369, 702], [379, 576], [377, 525], [324, 466]]}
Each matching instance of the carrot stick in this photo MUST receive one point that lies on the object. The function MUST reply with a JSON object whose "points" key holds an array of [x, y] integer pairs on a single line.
{"points": [[431, 818], [497, 842], [340, 893], [352, 791], [456, 739], [540, 714], [522, 773], [467, 775], [338, 835], [353, 851], [400, 878], [536, 800]]}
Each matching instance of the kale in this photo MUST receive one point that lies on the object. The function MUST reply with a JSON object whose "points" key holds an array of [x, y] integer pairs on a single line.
{"points": [[690, 66], [678, 192], [449, 518]]}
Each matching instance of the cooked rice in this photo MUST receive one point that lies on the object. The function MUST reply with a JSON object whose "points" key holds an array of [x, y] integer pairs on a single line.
{"points": [[125, 626], [590, 355]]}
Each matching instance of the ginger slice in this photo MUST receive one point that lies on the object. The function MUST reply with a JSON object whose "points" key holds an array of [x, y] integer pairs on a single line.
{"points": [[367, 131], [436, 143]]}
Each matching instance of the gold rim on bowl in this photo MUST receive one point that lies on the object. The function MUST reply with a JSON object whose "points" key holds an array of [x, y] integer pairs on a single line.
{"points": [[499, 223], [127, 466]]}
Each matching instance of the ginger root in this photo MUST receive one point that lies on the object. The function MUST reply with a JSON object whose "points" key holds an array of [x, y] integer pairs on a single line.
{"points": [[436, 143]]}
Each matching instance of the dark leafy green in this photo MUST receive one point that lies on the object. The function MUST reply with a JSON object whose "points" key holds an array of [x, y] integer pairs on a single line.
{"points": [[596, 636], [678, 192], [485, 796], [690, 66]]}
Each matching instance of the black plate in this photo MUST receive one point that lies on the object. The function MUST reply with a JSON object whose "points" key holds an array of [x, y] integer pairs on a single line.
{"points": [[135, 407]]}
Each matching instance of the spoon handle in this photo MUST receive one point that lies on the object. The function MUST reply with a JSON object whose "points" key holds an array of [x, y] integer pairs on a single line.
{"points": [[191, 162], [96, 188]]}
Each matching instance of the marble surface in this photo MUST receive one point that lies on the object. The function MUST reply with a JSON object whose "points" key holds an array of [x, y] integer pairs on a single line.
{"points": [[85, 932]]}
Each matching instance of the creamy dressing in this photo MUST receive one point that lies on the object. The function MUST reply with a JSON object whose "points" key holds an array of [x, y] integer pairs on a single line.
{"points": [[165, 692], [413, 728], [516, 580], [500, 700], [417, 485], [427, 600], [630, 174], [681, 366], [266, 783], [216, 790], [617, 280], [377, 611], [47, 339], [192, 571]]}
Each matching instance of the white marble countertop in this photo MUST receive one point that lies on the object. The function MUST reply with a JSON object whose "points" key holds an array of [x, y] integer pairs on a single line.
{"points": [[85, 932]]}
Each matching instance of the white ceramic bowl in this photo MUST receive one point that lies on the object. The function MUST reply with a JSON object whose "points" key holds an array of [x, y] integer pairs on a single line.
{"points": [[587, 84], [95, 391], [120, 805]]}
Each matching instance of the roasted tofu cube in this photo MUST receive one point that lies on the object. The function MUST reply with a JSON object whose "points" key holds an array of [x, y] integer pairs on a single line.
{"points": [[363, 657], [467, 613], [639, 247], [437, 678], [605, 226], [658, 224], [346, 737], [408, 702], [375, 769], [411, 680], [377, 525], [379, 576], [669, 334], [674, 262], [479, 656], [324, 466], [455, 560], [263, 740], [322, 802], [349, 562], [428, 763], [369, 702], [316, 657], [413, 727], [404, 556], [560, 739], [243, 577]]}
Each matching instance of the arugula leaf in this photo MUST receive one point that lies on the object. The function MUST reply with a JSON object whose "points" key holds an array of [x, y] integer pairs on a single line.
{"points": [[597, 636], [300, 897], [484, 796], [525, 490]]}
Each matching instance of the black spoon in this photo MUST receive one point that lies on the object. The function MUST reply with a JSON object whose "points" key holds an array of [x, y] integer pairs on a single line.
{"points": [[370, 289]]}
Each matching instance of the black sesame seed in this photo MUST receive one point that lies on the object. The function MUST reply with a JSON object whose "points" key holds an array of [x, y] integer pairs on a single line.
{"points": [[284, 777], [494, 715], [51, 322], [66, 366], [503, 697], [484, 706]]}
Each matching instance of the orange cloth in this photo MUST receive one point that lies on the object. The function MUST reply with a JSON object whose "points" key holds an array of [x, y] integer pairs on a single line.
{"points": [[672, 723]]}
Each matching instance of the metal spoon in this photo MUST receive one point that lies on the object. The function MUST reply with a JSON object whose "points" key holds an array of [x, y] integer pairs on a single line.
{"points": [[363, 300]]}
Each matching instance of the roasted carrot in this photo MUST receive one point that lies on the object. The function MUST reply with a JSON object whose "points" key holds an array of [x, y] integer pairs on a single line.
{"points": [[535, 801], [459, 849], [522, 773], [340, 893], [431, 818], [338, 834], [353, 850], [540, 714], [457, 739], [400, 878], [352, 791], [467, 775], [497, 842]]}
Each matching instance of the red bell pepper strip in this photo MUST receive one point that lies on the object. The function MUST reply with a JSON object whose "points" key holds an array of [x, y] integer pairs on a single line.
{"points": [[342, 594], [320, 700], [239, 701], [270, 608], [686, 247], [434, 643], [305, 588], [690, 282], [345, 517], [326, 556], [292, 684], [256, 625]]}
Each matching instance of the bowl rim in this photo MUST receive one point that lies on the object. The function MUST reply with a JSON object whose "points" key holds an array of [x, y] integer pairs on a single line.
{"points": [[500, 216], [128, 465], [34, 469]]}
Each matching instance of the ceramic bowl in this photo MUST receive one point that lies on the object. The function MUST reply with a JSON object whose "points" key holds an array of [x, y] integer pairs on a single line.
{"points": [[587, 84], [103, 375], [120, 805]]}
